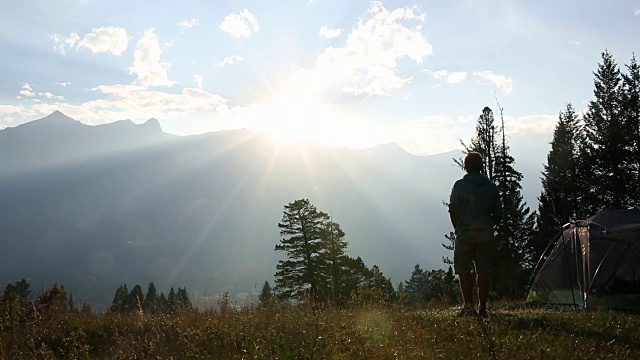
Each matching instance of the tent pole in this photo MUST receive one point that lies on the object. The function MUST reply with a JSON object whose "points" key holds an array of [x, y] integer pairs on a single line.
{"points": [[569, 268]]}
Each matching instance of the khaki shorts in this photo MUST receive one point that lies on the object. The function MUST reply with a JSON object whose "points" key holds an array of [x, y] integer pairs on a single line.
{"points": [[474, 247]]}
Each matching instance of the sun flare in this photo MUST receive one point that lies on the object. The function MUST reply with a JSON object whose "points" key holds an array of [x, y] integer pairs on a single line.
{"points": [[301, 119]]}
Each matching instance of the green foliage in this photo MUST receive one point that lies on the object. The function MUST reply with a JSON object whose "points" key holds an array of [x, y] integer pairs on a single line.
{"points": [[19, 289], [316, 265], [136, 301], [265, 294]]}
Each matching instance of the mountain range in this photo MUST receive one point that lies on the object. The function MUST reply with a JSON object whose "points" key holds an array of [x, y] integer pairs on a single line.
{"points": [[92, 207]]}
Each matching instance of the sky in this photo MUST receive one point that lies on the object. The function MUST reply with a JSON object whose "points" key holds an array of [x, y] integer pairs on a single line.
{"points": [[338, 72]]}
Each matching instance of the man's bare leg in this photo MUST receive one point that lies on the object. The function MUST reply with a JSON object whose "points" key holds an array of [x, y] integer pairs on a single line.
{"points": [[484, 282], [466, 287]]}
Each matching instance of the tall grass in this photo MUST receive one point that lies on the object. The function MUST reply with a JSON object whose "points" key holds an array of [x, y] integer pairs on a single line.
{"points": [[306, 331]]}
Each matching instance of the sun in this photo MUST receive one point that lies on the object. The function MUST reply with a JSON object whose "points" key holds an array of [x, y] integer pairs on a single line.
{"points": [[298, 118]]}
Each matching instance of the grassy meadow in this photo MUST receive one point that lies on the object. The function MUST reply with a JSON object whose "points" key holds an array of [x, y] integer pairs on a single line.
{"points": [[357, 331]]}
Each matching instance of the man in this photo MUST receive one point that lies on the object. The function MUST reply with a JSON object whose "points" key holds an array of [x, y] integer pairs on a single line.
{"points": [[474, 209]]}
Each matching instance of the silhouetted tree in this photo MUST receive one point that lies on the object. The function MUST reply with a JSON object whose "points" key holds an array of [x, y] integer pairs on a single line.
{"points": [[302, 239], [183, 302], [416, 286], [378, 281], [512, 256], [135, 299], [265, 294], [21, 290], [151, 300], [172, 304], [606, 152], [559, 200], [119, 303]]}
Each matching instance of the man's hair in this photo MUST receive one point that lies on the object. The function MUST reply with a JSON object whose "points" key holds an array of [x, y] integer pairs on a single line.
{"points": [[473, 162]]}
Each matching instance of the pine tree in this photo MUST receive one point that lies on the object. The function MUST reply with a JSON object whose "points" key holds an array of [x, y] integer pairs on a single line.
{"points": [[265, 294], [163, 303], [172, 304], [135, 299], [183, 302], [21, 290], [379, 282], [512, 256], [301, 230], [416, 286], [150, 304], [559, 200], [605, 154], [333, 261], [119, 303]]}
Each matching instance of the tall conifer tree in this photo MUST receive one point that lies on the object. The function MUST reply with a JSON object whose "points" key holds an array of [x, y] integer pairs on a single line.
{"points": [[605, 153], [302, 234], [559, 200]]}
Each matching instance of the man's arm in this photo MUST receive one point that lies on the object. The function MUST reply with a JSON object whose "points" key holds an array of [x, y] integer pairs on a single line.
{"points": [[454, 212]]}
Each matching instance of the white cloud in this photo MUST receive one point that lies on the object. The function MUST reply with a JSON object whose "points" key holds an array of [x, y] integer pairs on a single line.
{"points": [[198, 79], [367, 62], [637, 12], [27, 90], [99, 40], [329, 33], [146, 62], [229, 60], [135, 99], [63, 84], [9, 109], [530, 124], [240, 24], [500, 81], [49, 95], [451, 78], [106, 39], [188, 24], [61, 42]]}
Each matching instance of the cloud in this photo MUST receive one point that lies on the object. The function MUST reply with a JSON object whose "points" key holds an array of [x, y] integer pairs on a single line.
{"points": [[146, 62], [9, 109], [106, 39], [49, 95], [501, 82], [60, 42], [240, 24], [451, 78], [229, 60], [530, 124], [26, 90], [63, 84], [198, 79], [637, 11], [366, 63], [188, 24], [132, 98], [329, 33]]}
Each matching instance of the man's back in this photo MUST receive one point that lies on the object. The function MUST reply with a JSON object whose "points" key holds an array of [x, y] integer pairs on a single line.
{"points": [[474, 203]]}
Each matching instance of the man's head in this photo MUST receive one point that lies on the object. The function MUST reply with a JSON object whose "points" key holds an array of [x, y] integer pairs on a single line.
{"points": [[473, 162]]}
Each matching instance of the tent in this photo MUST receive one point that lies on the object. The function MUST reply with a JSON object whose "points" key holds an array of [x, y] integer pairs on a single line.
{"points": [[593, 263]]}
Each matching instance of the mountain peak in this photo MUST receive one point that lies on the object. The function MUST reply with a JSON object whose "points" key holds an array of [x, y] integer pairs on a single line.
{"points": [[153, 123], [58, 116]]}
